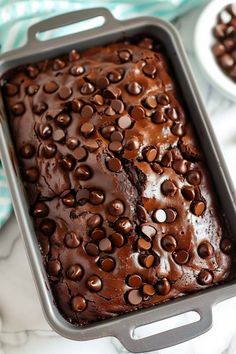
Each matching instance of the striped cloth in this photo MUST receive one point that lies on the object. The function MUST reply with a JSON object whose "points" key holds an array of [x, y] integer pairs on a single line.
{"points": [[17, 15]]}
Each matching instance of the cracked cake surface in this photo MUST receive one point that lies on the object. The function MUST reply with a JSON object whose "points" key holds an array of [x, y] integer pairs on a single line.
{"points": [[122, 202]]}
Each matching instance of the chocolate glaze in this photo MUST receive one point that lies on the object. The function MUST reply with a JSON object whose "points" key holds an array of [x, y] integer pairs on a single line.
{"points": [[121, 199]]}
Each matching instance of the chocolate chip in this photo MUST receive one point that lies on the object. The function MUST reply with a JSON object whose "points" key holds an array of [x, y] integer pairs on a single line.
{"points": [[109, 111], [11, 89], [134, 281], [117, 106], [69, 200], [168, 243], [123, 225], [114, 164], [83, 172], [149, 70], [49, 150], [163, 286], [115, 76], [105, 245], [188, 192], [32, 174], [107, 264], [115, 146], [150, 102], [117, 239], [18, 109], [87, 88], [150, 154], [226, 61], [125, 55], [132, 143], [229, 44], [80, 153], [134, 297], [224, 17], [78, 303], [68, 163], [64, 92], [156, 168], [158, 117], [112, 92], [172, 113], [168, 188], [147, 261], [96, 197], [94, 221], [82, 196], [77, 70], [148, 230], [148, 290], [58, 135], [75, 272], [91, 145], [134, 88], [53, 268], [40, 210], [143, 244], [102, 82], [226, 246], [72, 143], [117, 136], [178, 129], [194, 177], [163, 99], [205, 277], [47, 226], [142, 213], [32, 90], [92, 249], [98, 234], [180, 166], [32, 71], [72, 240], [116, 207], [198, 207], [159, 215], [76, 105], [219, 31], [27, 151], [107, 131], [58, 64], [137, 112], [39, 108], [63, 120], [166, 159], [50, 87], [171, 215], [73, 55], [124, 122], [94, 283], [45, 131], [181, 257], [97, 99], [87, 129], [205, 249]]}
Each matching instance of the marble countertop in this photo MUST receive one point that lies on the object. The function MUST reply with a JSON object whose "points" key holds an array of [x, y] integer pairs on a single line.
{"points": [[23, 329]]}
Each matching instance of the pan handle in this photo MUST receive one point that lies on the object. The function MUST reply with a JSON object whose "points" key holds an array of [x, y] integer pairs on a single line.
{"points": [[70, 18], [168, 338]]}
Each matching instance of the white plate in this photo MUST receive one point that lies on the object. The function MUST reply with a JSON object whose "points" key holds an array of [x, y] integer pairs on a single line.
{"points": [[203, 41]]}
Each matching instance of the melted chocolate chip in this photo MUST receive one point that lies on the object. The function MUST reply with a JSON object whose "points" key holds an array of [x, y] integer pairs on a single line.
{"points": [[27, 151], [96, 197], [18, 109], [78, 303], [69, 200], [40, 210], [226, 245], [114, 164], [50, 87], [169, 243], [198, 207], [53, 268], [64, 92], [75, 272], [163, 286], [47, 226], [92, 249], [49, 150], [205, 277], [117, 239], [107, 264], [87, 129], [205, 249], [116, 207], [181, 257], [134, 88], [134, 281], [124, 226], [134, 297], [137, 112], [94, 283], [31, 174], [168, 188], [63, 120]]}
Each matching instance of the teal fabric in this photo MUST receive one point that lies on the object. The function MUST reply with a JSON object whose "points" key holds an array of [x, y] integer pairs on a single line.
{"points": [[17, 15]]}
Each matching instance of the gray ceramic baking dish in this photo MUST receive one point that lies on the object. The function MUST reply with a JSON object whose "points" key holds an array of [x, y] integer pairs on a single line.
{"points": [[123, 326]]}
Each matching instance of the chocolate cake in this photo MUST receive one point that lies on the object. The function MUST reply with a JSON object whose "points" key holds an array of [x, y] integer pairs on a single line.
{"points": [[122, 201]]}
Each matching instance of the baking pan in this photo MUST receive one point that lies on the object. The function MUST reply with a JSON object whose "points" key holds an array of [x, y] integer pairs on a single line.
{"points": [[121, 327]]}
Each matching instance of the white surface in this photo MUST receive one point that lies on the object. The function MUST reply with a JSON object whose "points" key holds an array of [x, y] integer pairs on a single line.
{"points": [[23, 330], [203, 41]]}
